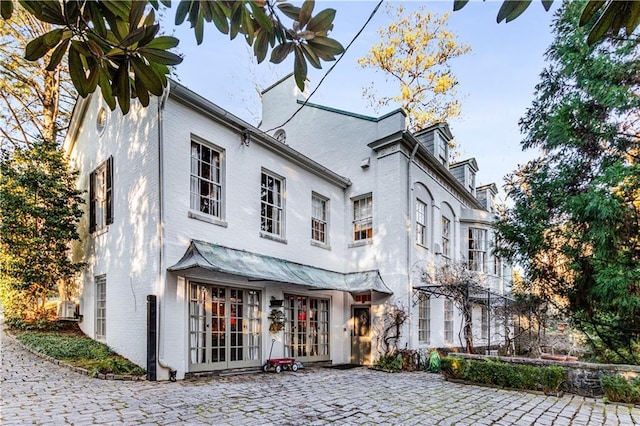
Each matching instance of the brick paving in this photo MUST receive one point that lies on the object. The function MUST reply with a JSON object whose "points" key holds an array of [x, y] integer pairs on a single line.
{"points": [[35, 391]]}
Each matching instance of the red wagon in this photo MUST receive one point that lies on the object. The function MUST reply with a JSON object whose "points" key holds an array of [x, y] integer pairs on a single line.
{"points": [[279, 364]]}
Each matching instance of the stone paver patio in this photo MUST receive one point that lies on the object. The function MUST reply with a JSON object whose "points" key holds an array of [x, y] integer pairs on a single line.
{"points": [[35, 391]]}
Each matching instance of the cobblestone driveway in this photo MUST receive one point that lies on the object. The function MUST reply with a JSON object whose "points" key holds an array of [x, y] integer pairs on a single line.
{"points": [[35, 391]]}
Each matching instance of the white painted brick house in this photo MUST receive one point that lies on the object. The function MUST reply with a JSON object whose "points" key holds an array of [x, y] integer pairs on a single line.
{"points": [[333, 216]]}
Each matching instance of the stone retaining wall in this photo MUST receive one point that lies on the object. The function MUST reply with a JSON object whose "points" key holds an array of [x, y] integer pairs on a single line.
{"points": [[583, 378]]}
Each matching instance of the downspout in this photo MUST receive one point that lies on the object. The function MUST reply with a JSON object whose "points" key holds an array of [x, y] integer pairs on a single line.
{"points": [[161, 271], [410, 234]]}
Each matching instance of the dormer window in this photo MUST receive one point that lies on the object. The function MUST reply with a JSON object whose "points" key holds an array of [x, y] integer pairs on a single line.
{"points": [[471, 180], [443, 150]]}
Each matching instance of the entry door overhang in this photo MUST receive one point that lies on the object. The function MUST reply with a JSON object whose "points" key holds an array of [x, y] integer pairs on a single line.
{"points": [[256, 266]]}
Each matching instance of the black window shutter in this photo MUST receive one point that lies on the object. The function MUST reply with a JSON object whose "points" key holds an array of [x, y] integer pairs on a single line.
{"points": [[92, 202], [109, 191]]}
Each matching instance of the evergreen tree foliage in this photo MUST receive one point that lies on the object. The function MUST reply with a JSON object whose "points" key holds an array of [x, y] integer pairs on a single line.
{"points": [[575, 222], [39, 213]]}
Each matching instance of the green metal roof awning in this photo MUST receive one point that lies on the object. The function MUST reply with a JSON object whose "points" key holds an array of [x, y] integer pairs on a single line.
{"points": [[255, 266]]}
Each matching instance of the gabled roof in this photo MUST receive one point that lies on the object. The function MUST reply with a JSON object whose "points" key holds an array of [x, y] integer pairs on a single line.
{"points": [[471, 162]]}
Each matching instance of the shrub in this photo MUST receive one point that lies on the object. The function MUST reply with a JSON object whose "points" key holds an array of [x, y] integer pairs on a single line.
{"points": [[80, 351], [453, 367], [390, 362], [552, 378], [617, 389]]}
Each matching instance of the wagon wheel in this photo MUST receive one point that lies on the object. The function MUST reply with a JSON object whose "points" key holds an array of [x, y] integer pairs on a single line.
{"points": [[265, 367], [294, 367], [278, 368]]}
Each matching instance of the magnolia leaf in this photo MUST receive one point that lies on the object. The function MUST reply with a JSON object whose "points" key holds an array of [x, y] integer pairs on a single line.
{"points": [[77, 72], [119, 8], [261, 45], [6, 9], [105, 88], [182, 11], [459, 4], [160, 56], [141, 91], [311, 55], [299, 68], [602, 25], [547, 4], [305, 13], [97, 19], [58, 54], [219, 18], [261, 17], [136, 13], [149, 34], [51, 12], [198, 28], [511, 9], [236, 20], [322, 21], [143, 72], [39, 46], [94, 77], [163, 43], [328, 43], [247, 26], [291, 11], [281, 51], [133, 37], [122, 87]]}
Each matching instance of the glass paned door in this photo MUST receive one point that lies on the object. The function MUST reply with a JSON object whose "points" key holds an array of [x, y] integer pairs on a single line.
{"points": [[224, 327], [306, 333]]}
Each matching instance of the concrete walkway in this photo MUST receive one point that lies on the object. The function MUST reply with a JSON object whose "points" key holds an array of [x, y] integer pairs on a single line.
{"points": [[35, 391]]}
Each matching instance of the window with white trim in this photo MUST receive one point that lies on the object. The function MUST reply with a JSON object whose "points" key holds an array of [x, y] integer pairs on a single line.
{"points": [[101, 196], [477, 243], [319, 218], [421, 223], [206, 180], [424, 319], [448, 321], [446, 237], [101, 307], [363, 218], [272, 204]]}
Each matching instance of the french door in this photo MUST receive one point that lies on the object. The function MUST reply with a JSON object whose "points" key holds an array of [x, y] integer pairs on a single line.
{"points": [[306, 331], [224, 327]]}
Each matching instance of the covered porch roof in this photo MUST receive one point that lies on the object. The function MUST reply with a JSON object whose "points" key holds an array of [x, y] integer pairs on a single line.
{"points": [[260, 267]]}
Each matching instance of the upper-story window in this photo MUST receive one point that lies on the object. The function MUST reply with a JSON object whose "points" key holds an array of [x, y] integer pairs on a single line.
{"points": [[471, 180], [206, 179], [421, 223], [446, 237], [101, 196], [272, 204], [497, 266], [319, 223], [363, 218], [477, 249], [443, 150]]}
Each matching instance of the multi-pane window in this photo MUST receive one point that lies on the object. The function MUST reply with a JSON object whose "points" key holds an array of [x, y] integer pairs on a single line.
{"points": [[442, 150], [421, 223], [446, 237], [471, 180], [477, 249], [206, 180], [101, 196], [497, 266], [448, 321], [271, 204], [363, 218], [101, 307], [485, 322], [424, 319], [319, 219]]}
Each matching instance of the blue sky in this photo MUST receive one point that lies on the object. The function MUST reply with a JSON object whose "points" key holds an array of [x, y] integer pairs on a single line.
{"points": [[496, 80]]}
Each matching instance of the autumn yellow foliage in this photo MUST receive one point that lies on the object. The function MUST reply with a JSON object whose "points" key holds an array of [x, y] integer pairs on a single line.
{"points": [[415, 51]]}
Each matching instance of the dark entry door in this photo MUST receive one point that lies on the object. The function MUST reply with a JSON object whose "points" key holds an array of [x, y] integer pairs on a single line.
{"points": [[361, 335]]}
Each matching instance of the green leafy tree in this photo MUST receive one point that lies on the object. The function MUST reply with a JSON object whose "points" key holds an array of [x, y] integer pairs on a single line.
{"points": [[39, 213], [35, 103], [612, 15], [117, 45], [575, 221]]}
